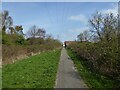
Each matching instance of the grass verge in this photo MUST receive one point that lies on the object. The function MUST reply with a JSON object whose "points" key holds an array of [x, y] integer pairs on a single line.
{"points": [[37, 71], [93, 80], [0, 78]]}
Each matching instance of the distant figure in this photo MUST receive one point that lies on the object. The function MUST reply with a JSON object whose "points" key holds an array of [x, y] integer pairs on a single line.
{"points": [[65, 44]]}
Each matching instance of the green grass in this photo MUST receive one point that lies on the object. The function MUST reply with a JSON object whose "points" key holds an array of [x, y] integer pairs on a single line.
{"points": [[91, 79], [0, 78], [38, 71]]}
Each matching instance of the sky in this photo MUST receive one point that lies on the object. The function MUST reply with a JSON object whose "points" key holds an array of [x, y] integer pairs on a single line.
{"points": [[60, 0], [63, 20]]}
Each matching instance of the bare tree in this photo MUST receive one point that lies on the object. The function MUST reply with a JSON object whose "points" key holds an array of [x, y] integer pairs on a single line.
{"points": [[86, 35], [95, 24], [80, 37], [32, 31], [110, 25], [7, 20], [105, 26], [41, 33], [36, 32], [83, 36]]}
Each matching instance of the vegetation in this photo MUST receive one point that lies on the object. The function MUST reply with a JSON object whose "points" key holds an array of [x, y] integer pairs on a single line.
{"points": [[17, 45], [0, 78], [95, 53], [38, 71], [93, 80], [99, 48]]}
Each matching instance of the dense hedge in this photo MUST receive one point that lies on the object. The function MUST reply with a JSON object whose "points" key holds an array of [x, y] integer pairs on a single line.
{"points": [[15, 46], [100, 57], [10, 53], [99, 45]]}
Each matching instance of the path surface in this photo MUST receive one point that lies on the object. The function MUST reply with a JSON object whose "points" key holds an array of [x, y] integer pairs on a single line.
{"points": [[67, 76]]}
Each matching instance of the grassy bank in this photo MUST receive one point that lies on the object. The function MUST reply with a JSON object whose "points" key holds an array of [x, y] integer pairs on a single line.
{"points": [[38, 71], [0, 78], [91, 79]]}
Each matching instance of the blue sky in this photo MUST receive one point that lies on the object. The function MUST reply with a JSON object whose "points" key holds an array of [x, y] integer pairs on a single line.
{"points": [[60, 0], [64, 20]]}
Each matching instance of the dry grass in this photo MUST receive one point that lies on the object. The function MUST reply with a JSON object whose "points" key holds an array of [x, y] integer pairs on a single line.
{"points": [[13, 53]]}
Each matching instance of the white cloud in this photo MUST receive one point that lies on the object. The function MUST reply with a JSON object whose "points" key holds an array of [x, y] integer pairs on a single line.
{"points": [[113, 9], [79, 17]]}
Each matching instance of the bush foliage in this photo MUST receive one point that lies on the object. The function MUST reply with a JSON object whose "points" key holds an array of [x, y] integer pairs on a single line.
{"points": [[99, 46], [17, 45]]}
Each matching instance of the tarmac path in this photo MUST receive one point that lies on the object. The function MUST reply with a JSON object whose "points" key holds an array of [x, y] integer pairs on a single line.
{"points": [[68, 76]]}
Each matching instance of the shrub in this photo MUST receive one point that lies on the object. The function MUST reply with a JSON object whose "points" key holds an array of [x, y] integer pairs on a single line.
{"points": [[100, 57]]}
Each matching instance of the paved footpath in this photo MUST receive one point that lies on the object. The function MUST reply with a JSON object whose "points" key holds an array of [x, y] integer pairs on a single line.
{"points": [[68, 76]]}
